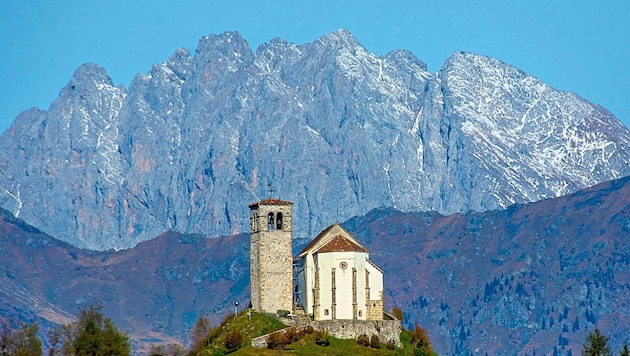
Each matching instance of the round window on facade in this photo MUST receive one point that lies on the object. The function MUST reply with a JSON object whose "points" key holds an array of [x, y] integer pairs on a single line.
{"points": [[343, 265]]}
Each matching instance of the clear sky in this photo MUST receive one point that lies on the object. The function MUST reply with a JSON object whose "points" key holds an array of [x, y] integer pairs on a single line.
{"points": [[575, 45]]}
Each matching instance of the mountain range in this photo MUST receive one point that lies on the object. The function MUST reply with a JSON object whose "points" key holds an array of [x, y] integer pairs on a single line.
{"points": [[530, 279], [328, 125]]}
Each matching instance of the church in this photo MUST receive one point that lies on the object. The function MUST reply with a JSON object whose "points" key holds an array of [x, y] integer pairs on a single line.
{"points": [[332, 278], [337, 280]]}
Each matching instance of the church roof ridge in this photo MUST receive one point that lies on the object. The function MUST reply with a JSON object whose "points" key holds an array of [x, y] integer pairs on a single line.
{"points": [[270, 201], [341, 243], [324, 233]]}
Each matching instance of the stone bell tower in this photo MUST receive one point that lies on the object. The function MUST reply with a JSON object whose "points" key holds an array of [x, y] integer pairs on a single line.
{"points": [[271, 255]]}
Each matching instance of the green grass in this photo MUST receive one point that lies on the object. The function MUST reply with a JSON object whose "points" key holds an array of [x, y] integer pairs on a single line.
{"points": [[258, 325], [261, 324]]}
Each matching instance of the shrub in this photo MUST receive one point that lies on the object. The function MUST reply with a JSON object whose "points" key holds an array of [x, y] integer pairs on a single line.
{"points": [[291, 335], [375, 342], [233, 340], [167, 350], [283, 313], [391, 345], [398, 314], [419, 338], [422, 351], [321, 338], [363, 340], [276, 341]]}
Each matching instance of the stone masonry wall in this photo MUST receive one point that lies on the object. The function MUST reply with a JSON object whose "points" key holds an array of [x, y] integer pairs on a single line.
{"points": [[349, 329], [386, 330], [271, 268]]}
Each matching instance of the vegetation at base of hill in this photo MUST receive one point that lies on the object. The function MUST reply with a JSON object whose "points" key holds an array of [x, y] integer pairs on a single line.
{"points": [[232, 334], [223, 338], [23, 341], [91, 334]]}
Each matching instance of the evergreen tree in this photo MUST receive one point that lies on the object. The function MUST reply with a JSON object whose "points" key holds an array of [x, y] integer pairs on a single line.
{"points": [[595, 344], [624, 351]]}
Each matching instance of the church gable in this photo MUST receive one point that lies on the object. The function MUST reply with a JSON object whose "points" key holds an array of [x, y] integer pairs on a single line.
{"points": [[332, 233], [341, 244]]}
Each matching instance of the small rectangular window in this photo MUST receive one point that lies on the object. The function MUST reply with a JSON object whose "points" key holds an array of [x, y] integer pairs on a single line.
{"points": [[360, 312], [325, 311]]}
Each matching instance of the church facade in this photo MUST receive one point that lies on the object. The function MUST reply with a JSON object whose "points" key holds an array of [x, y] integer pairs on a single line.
{"points": [[336, 279]]}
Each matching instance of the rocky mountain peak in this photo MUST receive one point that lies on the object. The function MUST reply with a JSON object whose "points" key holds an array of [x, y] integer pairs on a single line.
{"points": [[226, 51], [332, 127]]}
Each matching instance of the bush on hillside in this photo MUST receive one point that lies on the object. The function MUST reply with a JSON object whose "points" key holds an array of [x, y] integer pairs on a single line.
{"points": [[321, 338], [233, 340], [363, 340], [283, 313], [375, 342], [276, 341]]}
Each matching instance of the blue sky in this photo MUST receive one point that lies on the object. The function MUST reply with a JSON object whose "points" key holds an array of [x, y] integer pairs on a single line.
{"points": [[580, 46]]}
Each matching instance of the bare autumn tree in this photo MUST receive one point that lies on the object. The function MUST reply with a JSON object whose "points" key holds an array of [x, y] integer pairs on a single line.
{"points": [[398, 313], [200, 333], [21, 342]]}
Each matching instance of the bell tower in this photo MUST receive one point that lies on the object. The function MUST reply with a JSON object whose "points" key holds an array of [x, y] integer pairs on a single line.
{"points": [[271, 255]]}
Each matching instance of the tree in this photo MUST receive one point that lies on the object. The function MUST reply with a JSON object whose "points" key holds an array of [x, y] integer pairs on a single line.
{"points": [[420, 341], [595, 344], [200, 334], [23, 342], [419, 337], [398, 313], [167, 350], [624, 351], [91, 334]]}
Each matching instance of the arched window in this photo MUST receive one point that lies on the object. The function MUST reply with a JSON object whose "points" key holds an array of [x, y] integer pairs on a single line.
{"points": [[279, 221], [270, 222]]}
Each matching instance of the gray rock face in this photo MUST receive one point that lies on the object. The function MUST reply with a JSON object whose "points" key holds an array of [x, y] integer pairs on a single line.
{"points": [[333, 128]]}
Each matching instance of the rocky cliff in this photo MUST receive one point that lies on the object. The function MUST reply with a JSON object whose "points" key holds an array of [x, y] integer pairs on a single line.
{"points": [[328, 125]]}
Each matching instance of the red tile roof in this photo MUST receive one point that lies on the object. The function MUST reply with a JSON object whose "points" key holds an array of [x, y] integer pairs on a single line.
{"points": [[341, 244], [270, 201], [316, 239], [350, 245]]}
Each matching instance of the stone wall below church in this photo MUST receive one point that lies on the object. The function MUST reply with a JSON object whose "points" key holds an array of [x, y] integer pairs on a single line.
{"points": [[386, 330]]}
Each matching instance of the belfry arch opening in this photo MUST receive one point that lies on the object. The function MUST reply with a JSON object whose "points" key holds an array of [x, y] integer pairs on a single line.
{"points": [[271, 224], [279, 221]]}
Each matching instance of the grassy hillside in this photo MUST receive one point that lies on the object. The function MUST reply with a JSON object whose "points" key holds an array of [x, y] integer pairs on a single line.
{"points": [[307, 344]]}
